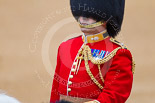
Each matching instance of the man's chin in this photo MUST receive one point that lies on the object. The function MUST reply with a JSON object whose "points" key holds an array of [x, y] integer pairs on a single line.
{"points": [[85, 30]]}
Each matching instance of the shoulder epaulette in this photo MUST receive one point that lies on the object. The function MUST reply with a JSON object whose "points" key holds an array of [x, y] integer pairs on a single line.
{"points": [[124, 47], [118, 43]]}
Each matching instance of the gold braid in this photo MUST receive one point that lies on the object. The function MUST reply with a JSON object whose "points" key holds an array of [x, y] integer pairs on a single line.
{"points": [[100, 61], [87, 56], [86, 52], [133, 66], [100, 73], [88, 70]]}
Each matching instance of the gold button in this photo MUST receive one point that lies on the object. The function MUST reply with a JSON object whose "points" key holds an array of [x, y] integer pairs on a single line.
{"points": [[73, 70], [71, 76], [69, 89], [69, 83]]}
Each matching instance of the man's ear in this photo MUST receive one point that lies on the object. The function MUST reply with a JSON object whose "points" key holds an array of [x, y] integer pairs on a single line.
{"points": [[105, 25]]}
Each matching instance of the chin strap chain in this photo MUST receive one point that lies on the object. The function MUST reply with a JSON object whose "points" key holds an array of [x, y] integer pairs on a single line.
{"points": [[92, 25]]}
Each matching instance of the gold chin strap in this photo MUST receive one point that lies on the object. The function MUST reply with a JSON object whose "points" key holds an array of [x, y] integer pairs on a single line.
{"points": [[92, 25]]}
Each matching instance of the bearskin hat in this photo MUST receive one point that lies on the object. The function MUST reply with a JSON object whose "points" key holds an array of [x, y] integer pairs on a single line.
{"points": [[111, 11]]}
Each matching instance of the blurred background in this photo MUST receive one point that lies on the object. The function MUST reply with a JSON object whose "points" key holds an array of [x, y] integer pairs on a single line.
{"points": [[31, 31]]}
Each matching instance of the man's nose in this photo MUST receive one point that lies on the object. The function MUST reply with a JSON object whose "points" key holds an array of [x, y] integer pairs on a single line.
{"points": [[84, 18]]}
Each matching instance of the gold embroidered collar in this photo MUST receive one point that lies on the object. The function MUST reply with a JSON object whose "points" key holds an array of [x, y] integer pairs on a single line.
{"points": [[95, 37]]}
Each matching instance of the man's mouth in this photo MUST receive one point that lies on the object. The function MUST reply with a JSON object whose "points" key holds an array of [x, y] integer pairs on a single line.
{"points": [[84, 24]]}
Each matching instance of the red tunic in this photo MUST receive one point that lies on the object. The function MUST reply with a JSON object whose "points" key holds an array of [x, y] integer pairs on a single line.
{"points": [[117, 73]]}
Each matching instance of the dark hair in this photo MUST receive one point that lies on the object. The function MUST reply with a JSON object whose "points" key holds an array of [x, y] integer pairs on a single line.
{"points": [[111, 11]]}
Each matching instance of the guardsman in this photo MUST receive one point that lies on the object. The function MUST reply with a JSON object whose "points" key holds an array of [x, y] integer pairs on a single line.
{"points": [[94, 67]]}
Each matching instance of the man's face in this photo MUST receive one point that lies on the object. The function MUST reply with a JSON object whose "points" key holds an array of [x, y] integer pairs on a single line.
{"points": [[87, 21]]}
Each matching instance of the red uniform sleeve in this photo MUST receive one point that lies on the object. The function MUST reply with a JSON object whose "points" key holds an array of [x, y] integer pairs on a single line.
{"points": [[54, 93], [118, 80]]}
